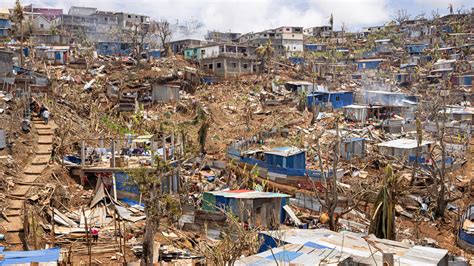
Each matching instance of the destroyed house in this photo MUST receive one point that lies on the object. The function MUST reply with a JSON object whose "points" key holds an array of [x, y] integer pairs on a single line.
{"points": [[6, 63], [386, 98], [466, 229], [370, 64], [462, 80], [406, 149], [315, 47], [5, 26], [416, 49], [294, 254], [261, 209], [179, 46], [352, 147], [55, 55], [285, 165], [299, 86], [443, 67], [114, 48], [459, 113], [358, 248], [164, 93], [383, 46], [334, 99], [286, 157]]}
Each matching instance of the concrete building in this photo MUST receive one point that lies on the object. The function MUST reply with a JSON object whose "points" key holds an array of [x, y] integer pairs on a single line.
{"points": [[47, 12], [222, 37], [179, 46], [319, 31], [286, 41], [5, 25], [227, 65], [129, 20]]}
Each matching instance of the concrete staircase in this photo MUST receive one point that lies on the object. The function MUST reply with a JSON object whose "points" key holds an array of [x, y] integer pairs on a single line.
{"points": [[31, 172]]}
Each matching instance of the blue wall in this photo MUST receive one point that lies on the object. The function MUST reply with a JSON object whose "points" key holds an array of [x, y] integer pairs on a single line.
{"points": [[125, 183], [416, 48], [314, 47], [337, 99], [4, 33], [368, 65], [155, 53], [5, 23], [297, 161], [296, 60], [113, 48]]}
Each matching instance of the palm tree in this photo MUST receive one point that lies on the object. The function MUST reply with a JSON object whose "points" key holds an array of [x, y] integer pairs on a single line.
{"points": [[19, 16]]}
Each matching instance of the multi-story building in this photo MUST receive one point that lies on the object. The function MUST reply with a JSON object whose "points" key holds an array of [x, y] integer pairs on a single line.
{"points": [[129, 20], [48, 13], [5, 25], [98, 25], [285, 40], [318, 32], [224, 60], [222, 37]]}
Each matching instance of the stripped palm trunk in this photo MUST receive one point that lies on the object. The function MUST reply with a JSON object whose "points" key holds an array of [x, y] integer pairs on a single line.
{"points": [[382, 224]]}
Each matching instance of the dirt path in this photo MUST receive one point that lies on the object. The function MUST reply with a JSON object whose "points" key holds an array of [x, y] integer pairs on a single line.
{"points": [[31, 172]]}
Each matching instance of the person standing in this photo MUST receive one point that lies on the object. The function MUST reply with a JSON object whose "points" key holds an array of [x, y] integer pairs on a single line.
{"points": [[95, 234], [45, 115]]}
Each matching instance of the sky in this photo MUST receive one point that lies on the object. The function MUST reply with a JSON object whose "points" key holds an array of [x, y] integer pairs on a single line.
{"points": [[256, 15]]}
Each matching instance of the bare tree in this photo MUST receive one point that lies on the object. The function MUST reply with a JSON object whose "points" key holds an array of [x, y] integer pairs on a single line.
{"points": [[162, 29], [435, 14], [401, 15], [331, 193], [149, 185]]}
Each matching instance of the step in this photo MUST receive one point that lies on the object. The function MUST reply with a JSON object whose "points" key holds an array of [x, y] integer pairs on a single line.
{"points": [[44, 132], [14, 239], [42, 126], [40, 159], [14, 224], [43, 149], [15, 204], [20, 190], [13, 212], [34, 169], [28, 178], [45, 139]]}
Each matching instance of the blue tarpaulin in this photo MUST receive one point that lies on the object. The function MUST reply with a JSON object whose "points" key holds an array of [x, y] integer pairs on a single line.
{"points": [[285, 256], [20, 257]]}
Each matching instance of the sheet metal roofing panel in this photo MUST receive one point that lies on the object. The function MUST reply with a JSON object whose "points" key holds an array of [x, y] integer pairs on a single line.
{"points": [[247, 194], [293, 254], [403, 143], [285, 151], [419, 255]]}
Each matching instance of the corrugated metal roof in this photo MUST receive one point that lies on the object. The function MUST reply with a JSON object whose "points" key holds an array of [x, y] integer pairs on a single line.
{"points": [[403, 143], [321, 240], [285, 151], [294, 254], [247, 194]]}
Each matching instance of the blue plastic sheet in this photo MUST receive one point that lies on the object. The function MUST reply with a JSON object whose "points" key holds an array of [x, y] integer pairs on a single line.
{"points": [[20, 257]]}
